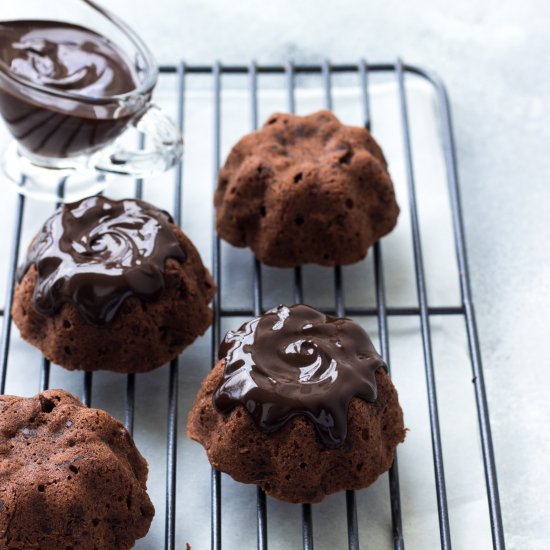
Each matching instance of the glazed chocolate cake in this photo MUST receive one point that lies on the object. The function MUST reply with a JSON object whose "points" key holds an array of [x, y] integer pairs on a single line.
{"points": [[305, 189], [71, 477], [299, 403], [112, 285]]}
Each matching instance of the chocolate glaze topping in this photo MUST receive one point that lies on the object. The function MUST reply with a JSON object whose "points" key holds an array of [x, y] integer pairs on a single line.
{"points": [[97, 252], [298, 361]]}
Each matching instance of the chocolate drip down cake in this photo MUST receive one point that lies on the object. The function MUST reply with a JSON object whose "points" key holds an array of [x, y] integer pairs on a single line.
{"points": [[305, 189], [299, 403], [71, 477], [112, 285]]}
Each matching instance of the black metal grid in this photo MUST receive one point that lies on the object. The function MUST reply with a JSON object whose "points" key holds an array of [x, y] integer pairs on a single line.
{"points": [[423, 311]]}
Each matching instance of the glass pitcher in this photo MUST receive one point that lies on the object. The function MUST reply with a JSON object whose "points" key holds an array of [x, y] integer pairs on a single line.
{"points": [[63, 134]]}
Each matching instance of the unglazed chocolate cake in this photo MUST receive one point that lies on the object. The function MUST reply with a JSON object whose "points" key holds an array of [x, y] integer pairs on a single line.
{"points": [[112, 285], [299, 403], [305, 190], [71, 477]]}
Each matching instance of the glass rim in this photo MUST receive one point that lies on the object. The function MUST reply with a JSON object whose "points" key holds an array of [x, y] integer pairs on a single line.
{"points": [[144, 87]]}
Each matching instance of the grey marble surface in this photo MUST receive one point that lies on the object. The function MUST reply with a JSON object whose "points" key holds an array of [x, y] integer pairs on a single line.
{"points": [[493, 57]]}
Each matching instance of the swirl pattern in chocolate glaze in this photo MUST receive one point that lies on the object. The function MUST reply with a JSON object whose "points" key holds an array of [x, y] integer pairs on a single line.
{"points": [[97, 252], [298, 361]]}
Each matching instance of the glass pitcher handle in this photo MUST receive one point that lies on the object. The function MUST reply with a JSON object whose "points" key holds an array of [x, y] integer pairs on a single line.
{"points": [[164, 151]]}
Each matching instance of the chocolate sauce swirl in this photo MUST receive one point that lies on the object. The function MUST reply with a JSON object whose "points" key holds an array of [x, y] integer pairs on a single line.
{"points": [[97, 252], [66, 57], [298, 361], [62, 58]]}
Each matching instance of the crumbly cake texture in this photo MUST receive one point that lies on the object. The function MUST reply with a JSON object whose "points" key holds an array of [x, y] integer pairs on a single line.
{"points": [[291, 463], [70, 477], [305, 189], [143, 335]]}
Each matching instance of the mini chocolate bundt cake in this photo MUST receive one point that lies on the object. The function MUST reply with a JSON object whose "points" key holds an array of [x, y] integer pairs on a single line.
{"points": [[112, 285], [70, 477], [300, 404], [305, 189]]}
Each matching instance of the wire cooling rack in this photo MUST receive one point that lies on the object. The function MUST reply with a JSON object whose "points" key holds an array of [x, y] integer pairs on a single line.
{"points": [[422, 311]]}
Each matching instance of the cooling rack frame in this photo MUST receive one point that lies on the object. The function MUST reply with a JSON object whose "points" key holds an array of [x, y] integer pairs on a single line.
{"points": [[423, 311]]}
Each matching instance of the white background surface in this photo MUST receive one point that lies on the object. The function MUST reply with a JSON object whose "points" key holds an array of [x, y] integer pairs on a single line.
{"points": [[493, 57]]}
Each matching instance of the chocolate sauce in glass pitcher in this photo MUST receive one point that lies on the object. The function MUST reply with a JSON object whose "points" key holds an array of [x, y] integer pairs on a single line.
{"points": [[62, 57]]}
